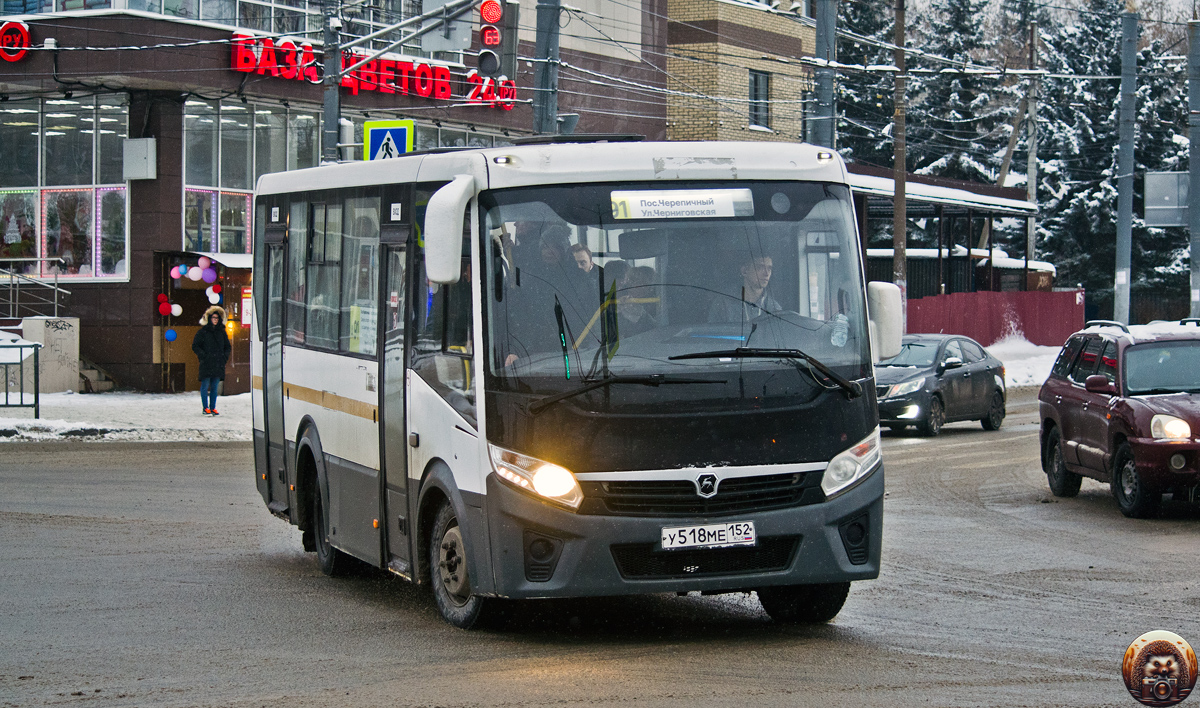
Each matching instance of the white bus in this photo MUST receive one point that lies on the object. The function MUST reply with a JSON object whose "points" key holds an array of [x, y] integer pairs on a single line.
{"points": [[575, 369]]}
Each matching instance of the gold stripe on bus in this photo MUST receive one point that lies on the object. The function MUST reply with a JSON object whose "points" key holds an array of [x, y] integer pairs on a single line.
{"points": [[256, 383], [331, 401]]}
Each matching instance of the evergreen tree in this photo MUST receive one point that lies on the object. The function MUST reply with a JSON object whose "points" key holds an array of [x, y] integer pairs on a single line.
{"points": [[954, 128], [864, 98]]}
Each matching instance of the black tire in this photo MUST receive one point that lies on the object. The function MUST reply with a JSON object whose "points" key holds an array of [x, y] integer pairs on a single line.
{"points": [[330, 560], [448, 572], [934, 419], [1135, 498], [1063, 483], [995, 415], [804, 604]]}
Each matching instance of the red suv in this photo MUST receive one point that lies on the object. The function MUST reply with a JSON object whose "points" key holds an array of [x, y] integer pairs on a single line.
{"points": [[1120, 406]]}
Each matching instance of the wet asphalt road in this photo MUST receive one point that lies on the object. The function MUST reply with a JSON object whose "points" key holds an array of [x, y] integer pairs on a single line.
{"points": [[152, 575]]}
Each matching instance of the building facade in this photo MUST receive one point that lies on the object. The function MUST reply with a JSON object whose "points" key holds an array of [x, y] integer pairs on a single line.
{"points": [[229, 90], [735, 70]]}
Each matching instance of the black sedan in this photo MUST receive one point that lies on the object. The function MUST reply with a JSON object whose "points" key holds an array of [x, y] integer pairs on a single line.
{"points": [[938, 379]]}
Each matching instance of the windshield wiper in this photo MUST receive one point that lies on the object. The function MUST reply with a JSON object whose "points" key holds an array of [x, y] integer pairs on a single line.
{"points": [[852, 388], [650, 380]]}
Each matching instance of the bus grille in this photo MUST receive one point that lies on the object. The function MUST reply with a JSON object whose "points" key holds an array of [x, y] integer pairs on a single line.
{"points": [[735, 495], [644, 561]]}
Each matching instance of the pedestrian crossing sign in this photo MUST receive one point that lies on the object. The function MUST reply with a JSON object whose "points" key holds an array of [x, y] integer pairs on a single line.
{"points": [[387, 138]]}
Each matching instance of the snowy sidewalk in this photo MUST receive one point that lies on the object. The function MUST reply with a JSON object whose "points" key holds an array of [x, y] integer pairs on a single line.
{"points": [[127, 416]]}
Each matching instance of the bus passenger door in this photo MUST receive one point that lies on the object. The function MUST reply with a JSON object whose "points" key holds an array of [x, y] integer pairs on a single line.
{"points": [[273, 381], [392, 396]]}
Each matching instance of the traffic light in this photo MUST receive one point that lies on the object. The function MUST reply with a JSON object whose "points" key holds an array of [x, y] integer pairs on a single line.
{"points": [[498, 38]]}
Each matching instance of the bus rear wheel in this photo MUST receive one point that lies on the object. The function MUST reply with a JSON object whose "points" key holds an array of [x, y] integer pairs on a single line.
{"points": [[448, 570], [804, 604], [330, 560]]}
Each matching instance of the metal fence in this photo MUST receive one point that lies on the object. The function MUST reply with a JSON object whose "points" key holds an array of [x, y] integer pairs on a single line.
{"points": [[21, 295], [12, 359]]}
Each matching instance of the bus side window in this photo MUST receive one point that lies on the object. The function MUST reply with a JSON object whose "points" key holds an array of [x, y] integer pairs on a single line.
{"points": [[443, 347], [297, 261], [360, 276]]}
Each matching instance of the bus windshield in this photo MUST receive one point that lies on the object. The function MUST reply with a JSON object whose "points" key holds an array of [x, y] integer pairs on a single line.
{"points": [[590, 282]]}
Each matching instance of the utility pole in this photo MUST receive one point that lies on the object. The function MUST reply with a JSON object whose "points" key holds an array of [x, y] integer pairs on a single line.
{"points": [[1194, 158], [1031, 167], [331, 120], [826, 49], [545, 97], [1129, 28], [899, 173]]}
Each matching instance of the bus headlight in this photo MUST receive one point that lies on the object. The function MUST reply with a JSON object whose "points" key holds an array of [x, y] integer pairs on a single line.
{"points": [[852, 465], [539, 477], [1168, 426]]}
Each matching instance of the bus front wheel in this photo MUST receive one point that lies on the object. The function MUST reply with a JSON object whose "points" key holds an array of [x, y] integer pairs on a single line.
{"points": [[448, 570], [804, 604]]}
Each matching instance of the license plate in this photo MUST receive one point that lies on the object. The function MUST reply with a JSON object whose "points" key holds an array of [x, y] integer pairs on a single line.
{"points": [[737, 533]]}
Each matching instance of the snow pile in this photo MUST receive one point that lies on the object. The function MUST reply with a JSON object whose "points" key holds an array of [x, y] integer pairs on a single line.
{"points": [[1025, 364], [159, 417]]}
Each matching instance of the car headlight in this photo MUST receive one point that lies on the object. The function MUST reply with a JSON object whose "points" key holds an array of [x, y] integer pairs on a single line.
{"points": [[545, 479], [1168, 426], [852, 465], [907, 387]]}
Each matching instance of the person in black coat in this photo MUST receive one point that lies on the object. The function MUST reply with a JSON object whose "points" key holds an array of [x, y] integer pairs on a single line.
{"points": [[212, 348]]}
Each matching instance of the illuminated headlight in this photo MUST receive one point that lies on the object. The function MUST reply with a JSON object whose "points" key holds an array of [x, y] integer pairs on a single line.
{"points": [[851, 465], [539, 477], [1168, 426], [905, 388]]}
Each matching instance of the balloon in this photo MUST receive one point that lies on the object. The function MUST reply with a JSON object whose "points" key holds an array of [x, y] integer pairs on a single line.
{"points": [[183, 269], [208, 291], [162, 297], [170, 334], [209, 275], [177, 309], [175, 272], [195, 274], [204, 262], [164, 308], [214, 298], [216, 288]]}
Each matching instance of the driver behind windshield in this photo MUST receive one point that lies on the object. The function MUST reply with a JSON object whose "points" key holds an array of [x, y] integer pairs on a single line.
{"points": [[754, 300]]}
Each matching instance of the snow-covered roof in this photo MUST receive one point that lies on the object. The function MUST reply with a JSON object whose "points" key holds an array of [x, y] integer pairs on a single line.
{"points": [[934, 194], [229, 260], [1003, 260]]}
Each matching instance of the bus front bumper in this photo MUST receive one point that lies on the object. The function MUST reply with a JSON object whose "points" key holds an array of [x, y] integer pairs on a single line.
{"points": [[541, 551]]}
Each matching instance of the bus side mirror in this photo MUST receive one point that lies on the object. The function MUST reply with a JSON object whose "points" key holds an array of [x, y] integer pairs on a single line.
{"points": [[444, 229], [887, 324]]}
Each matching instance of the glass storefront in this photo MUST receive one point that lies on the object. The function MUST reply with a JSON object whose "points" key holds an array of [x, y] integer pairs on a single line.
{"points": [[62, 194]]}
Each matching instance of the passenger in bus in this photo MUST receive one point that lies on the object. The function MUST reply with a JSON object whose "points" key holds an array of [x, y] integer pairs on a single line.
{"points": [[583, 257], [636, 302], [754, 300], [546, 275]]}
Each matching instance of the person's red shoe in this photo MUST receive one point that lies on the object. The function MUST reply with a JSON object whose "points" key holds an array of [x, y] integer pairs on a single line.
{"points": [[207, 412], [214, 411]]}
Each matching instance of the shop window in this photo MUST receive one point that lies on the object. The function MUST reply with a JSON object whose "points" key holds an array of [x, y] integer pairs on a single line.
{"points": [[236, 147], [454, 138], [112, 231], [68, 229], [111, 126], [199, 219], [19, 228], [304, 141], [232, 235], [297, 261], [254, 16], [200, 143], [324, 276], [426, 138], [222, 11], [270, 140], [181, 8], [19, 143], [66, 148], [360, 276]]}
